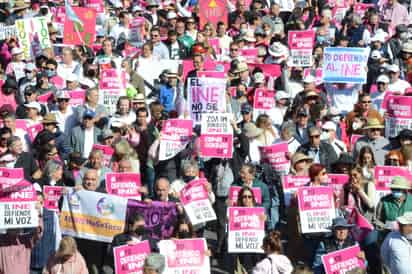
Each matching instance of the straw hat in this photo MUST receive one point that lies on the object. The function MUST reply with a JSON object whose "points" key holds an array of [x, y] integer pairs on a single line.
{"points": [[298, 156], [405, 219], [373, 123], [400, 182], [49, 118]]}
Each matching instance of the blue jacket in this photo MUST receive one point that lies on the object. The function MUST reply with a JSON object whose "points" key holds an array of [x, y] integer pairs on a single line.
{"points": [[166, 97]]}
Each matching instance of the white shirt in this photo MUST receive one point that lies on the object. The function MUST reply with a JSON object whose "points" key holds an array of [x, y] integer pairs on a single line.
{"points": [[274, 264], [24, 137], [119, 29], [399, 86], [396, 253], [88, 142], [343, 99], [254, 152], [338, 146], [64, 70]]}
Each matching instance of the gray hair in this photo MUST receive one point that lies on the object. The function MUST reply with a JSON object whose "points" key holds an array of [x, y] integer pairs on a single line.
{"points": [[186, 165], [51, 167], [156, 262], [313, 129], [12, 140], [90, 90]]}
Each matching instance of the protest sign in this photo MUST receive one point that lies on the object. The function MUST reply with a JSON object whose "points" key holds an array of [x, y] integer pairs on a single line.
{"points": [[316, 209], [301, 45], [185, 256], [45, 98], [209, 65], [272, 70], [212, 11], [113, 85], [77, 97], [216, 138], [361, 8], [234, 194], [125, 184], [52, 195], [206, 95], [107, 153], [345, 65], [33, 130], [129, 259], [195, 199], [383, 177], [137, 29], [92, 215], [353, 139], [18, 205], [175, 135], [7, 32], [362, 226], [317, 73], [11, 175], [59, 15], [337, 182], [246, 229], [97, 5], [211, 74], [249, 54], [343, 260], [80, 34], [263, 101], [33, 35], [275, 155], [290, 184], [215, 44], [399, 115], [160, 217]]}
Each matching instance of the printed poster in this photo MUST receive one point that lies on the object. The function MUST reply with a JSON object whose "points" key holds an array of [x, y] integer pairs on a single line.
{"points": [[290, 184], [301, 44], [77, 97], [263, 101], [275, 155], [234, 194], [316, 209], [246, 229], [212, 11], [129, 259], [112, 85], [126, 184], [76, 34], [185, 256], [341, 261], [176, 135], [107, 153], [137, 29], [399, 115], [7, 32], [11, 176], [383, 177], [52, 195], [216, 138], [195, 199], [92, 215]]}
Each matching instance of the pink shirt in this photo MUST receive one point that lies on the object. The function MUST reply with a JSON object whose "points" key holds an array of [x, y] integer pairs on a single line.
{"points": [[397, 14]]}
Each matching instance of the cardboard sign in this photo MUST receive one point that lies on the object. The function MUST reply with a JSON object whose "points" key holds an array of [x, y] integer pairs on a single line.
{"points": [[126, 184], [33, 130], [290, 184], [301, 45], [345, 65], [185, 256], [92, 215], [107, 153], [246, 229], [275, 155], [206, 95], [195, 199], [399, 110], [212, 11], [76, 34], [18, 205], [216, 139], [175, 135], [316, 209], [234, 194], [129, 259], [33, 35], [52, 195], [341, 261]]}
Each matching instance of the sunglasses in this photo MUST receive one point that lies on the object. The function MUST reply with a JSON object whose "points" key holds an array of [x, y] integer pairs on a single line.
{"points": [[393, 159], [375, 129], [234, 49], [325, 130], [63, 100], [366, 102], [247, 197], [314, 136]]}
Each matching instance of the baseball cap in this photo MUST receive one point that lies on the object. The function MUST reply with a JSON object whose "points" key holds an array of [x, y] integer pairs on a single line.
{"points": [[393, 68], [89, 114], [35, 105], [62, 94], [382, 79]]}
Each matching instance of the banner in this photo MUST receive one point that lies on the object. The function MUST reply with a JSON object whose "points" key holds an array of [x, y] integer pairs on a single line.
{"points": [[137, 29], [212, 11], [92, 215], [383, 177], [216, 138], [195, 199], [160, 217], [399, 114], [33, 35], [206, 95], [316, 209], [290, 184], [234, 194], [11, 175], [275, 155], [129, 259], [175, 136], [107, 153], [246, 229], [301, 44], [341, 261], [345, 65], [125, 184], [263, 101], [185, 256], [76, 34], [52, 195], [18, 205], [7, 32]]}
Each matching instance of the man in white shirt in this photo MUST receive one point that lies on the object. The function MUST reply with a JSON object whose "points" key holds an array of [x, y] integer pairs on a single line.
{"points": [[396, 85], [121, 27], [66, 118], [329, 135], [68, 66], [277, 114], [159, 48], [343, 96], [377, 97], [82, 138]]}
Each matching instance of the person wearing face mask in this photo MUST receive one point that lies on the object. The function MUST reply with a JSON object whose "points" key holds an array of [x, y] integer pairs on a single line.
{"points": [[396, 250], [394, 204], [28, 80], [329, 135]]}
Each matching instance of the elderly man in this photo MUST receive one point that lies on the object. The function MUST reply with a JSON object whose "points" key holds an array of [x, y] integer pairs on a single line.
{"points": [[396, 250], [329, 135], [92, 99], [95, 162], [321, 152], [162, 190], [374, 139]]}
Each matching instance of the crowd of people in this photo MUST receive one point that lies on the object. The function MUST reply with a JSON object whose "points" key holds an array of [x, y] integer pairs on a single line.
{"points": [[318, 121]]}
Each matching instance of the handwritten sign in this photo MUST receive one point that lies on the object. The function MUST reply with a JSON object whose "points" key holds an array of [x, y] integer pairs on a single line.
{"points": [[33, 35]]}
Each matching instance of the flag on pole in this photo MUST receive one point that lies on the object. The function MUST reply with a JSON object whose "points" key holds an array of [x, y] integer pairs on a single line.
{"points": [[71, 15]]}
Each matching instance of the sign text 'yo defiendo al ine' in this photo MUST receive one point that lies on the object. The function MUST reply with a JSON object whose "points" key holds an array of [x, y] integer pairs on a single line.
{"points": [[316, 208], [246, 229], [216, 139], [129, 259]]}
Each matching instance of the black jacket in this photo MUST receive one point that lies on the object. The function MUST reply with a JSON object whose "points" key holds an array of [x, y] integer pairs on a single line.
{"points": [[182, 50], [327, 154]]}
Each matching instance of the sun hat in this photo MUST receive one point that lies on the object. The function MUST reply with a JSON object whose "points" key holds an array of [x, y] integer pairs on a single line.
{"points": [[373, 123], [400, 182], [49, 118], [393, 68], [241, 67], [280, 94], [259, 78], [251, 131], [329, 126], [298, 156], [139, 98], [382, 79], [277, 49], [407, 47], [405, 219], [34, 105], [341, 222]]}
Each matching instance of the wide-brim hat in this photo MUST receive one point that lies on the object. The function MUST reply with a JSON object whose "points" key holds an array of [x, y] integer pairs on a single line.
{"points": [[49, 118], [277, 49], [251, 131], [405, 219], [340, 222], [373, 123], [400, 182], [19, 5], [241, 67], [407, 47], [298, 156]]}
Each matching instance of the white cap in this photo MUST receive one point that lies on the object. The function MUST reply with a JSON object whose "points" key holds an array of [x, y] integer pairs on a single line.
{"points": [[62, 94], [16, 51], [35, 105], [329, 126], [259, 78], [72, 77], [375, 54], [405, 219], [171, 15], [280, 94], [393, 68], [309, 79], [383, 79]]}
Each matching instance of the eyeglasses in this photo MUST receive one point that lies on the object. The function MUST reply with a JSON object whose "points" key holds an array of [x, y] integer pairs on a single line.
{"points": [[61, 100], [234, 49], [247, 197], [366, 102], [375, 129], [393, 159], [325, 130], [381, 83], [314, 136]]}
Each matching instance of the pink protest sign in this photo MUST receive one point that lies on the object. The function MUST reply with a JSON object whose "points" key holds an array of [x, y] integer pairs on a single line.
{"points": [[275, 155], [264, 99], [384, 175], [131, 51], [77, 97], [290, 184], [107, 153], [45, 98], [316, 72], [250, 54], [316, 208], [212, 11], [59, 15], [52, 195], [33, 130], [272, 70], [195, 199], [22, 124], [129, 259], [211, 74], [353, 139], [246, 229], [97, 5], [301, 45], [18, 205], [77, 34], [175, 135], [342, 261], [234, 194], [209, 65], [124, 184], [399, 110], [111, 79], [137, 29], [362, 226], [361, 8], [215, 44], [11, 175], [337, 181], [216, 139], [185, 256]]}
